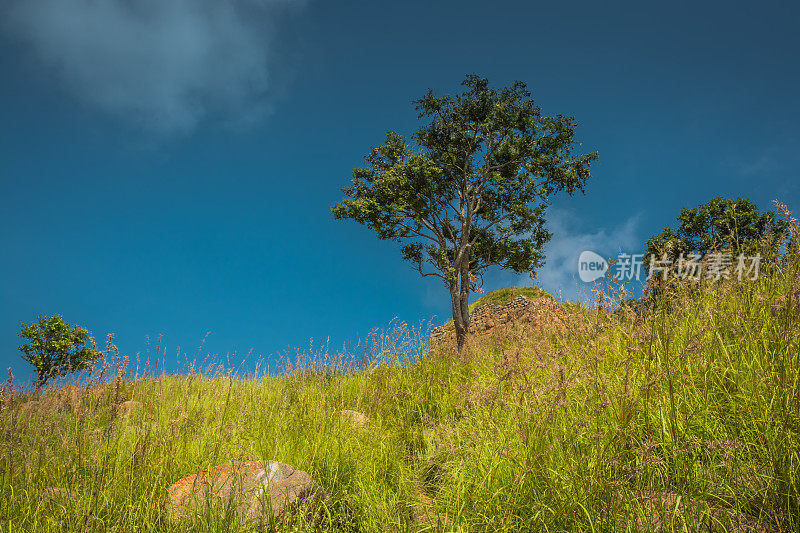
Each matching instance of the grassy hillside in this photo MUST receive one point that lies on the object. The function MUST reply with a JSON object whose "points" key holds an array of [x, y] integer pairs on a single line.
{"points": [[682, 417], [505, 295]]}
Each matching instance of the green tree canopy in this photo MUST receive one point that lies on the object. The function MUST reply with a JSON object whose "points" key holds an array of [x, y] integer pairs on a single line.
{"points": [[470, 188], [56, 347], [720, 224]]}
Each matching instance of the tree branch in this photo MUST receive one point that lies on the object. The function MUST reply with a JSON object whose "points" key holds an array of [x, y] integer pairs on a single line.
{"points": [[426, 274], [418, 233], [492, 223]]}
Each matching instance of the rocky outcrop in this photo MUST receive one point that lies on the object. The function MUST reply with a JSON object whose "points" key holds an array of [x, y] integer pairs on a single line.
{"points": [[261, 491], [487, 316]]}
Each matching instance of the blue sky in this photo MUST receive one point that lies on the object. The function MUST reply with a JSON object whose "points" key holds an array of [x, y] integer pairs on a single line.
{"points": [[168, 167]]}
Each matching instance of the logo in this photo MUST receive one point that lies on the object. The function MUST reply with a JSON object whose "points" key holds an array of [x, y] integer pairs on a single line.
{"points": [[591, 266]]}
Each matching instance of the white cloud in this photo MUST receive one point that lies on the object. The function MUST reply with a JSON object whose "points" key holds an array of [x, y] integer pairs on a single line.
{"points": [[163, 64], [559, 276]]}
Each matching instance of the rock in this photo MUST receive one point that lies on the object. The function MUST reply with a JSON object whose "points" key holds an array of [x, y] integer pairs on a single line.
{"points": [[100, 391], [126, 409], [68, 397], [260, 491], [58, 494], [488, 316], [29, 407], [42, 407], [57, 497], [354, 418]]}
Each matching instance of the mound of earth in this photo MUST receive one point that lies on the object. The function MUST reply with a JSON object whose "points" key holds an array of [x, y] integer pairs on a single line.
{"points": [[509, 305]]}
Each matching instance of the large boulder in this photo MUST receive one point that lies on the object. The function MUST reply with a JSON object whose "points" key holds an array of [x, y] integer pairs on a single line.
{"points": [[261, 491]]}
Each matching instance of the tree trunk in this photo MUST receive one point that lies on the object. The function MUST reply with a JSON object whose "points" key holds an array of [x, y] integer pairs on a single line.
{"points": [[41, 378], [465, 292], [460, 303], [459, 283]]}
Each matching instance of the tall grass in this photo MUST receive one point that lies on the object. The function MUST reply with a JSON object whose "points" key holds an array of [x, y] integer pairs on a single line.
{"points": [[680, 416]]}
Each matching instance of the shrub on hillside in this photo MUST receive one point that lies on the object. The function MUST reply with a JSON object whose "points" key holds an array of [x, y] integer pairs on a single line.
{"points": [[55, 347]]}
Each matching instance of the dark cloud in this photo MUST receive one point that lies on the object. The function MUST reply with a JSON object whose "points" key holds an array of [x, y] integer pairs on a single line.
{"points": [[164, 64]]}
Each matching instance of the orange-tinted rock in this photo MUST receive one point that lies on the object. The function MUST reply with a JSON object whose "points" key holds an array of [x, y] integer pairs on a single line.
{"points": [[128, 408], [488, 316], [260, 491], [42, 407], [100, 390], [68, 397], [29, 408], [58, 494], [354, 418], [779, 305]]}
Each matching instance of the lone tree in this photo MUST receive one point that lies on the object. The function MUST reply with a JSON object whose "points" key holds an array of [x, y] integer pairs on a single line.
{"points": [[56, 347], [472, 188]]}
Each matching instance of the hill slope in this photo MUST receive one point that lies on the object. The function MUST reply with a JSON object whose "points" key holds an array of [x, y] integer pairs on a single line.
{"points": [[685, 416]]}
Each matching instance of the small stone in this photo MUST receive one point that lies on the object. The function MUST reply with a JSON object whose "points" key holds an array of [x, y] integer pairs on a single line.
{"points": [[259, 490], [58, 494], [43, 407], [68, 397], [354, 418], [128, 408], [99, 391], [29, 407]]}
